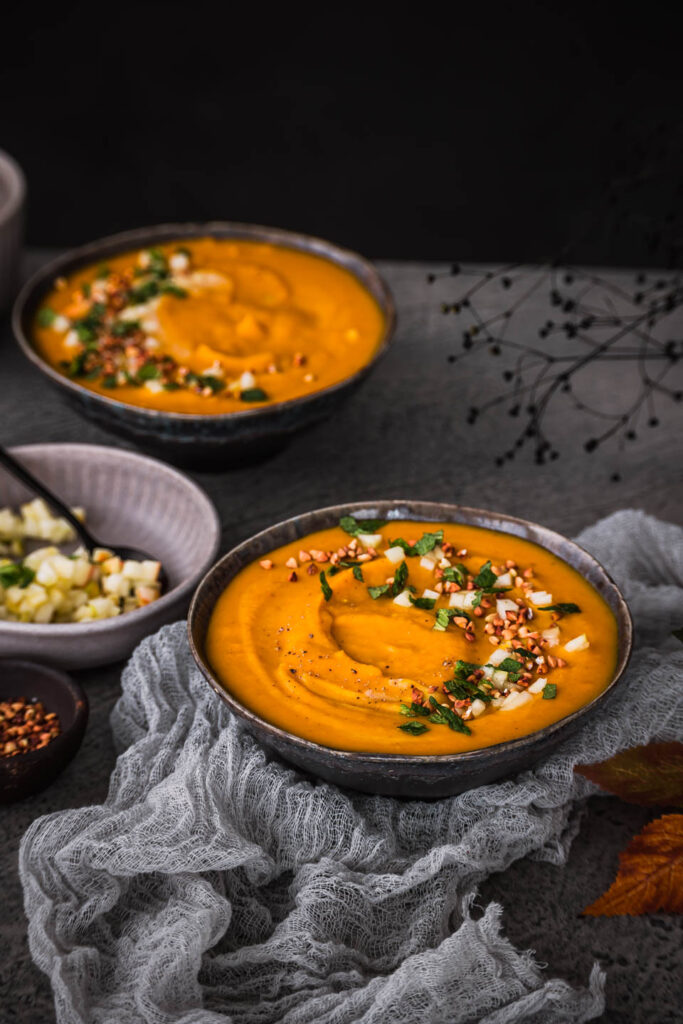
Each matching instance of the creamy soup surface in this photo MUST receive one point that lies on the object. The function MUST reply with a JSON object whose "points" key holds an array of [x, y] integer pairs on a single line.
{"points": [[209, 326], [411, 637]]}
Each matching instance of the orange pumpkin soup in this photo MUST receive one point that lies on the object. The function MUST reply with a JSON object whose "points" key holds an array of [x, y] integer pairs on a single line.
{"points": [[208, 326], [411, 638]]}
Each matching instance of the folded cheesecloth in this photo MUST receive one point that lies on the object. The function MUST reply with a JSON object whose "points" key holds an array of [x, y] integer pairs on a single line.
{"points": [[217, 884]]}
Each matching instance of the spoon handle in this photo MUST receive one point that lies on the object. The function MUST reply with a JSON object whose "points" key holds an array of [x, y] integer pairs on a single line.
{"points": [[22, 474]]}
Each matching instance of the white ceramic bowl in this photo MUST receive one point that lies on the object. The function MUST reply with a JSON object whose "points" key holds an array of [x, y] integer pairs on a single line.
{"points": [[12, 193], [132, 500]]}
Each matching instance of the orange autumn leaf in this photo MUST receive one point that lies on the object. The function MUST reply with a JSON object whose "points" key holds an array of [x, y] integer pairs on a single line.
{"points": [[647, 775], [650, 875]]}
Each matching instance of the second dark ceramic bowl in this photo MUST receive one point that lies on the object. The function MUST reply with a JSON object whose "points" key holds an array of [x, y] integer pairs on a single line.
{"points": [[212, 441], [422, 776], [25, 774]]}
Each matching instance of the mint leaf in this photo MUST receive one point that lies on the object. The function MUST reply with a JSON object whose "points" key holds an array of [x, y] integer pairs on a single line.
{"points": [[565, 609], [423, 602], [376, 592], [485, 579], [456, 574], [549, 691], [444, 716], [444, 616], [510, 665], [326, 588], [414, 728], [415, 709], [15, 575], [46, 317], [253, 395], [353, 526]]}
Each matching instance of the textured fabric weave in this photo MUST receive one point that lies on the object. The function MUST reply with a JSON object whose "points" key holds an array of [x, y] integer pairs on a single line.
{"points": [[215, 884]]}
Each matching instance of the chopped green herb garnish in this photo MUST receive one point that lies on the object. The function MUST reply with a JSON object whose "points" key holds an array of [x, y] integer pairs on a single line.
{"points": [[16, 575], [353, 526], [456, 574], [85, 288], [76, 367], [414, 728], [171, 385], [565, 609], [427, 542], [124, 328], [148, 371], [400, 579], [215, 383], [326, 588], [413, 709], [46, 317], [102, 271], [358, 573], [444, 716], [549, 691], [423, 602], [485, 578], [253, 395], [143, 292], [444, 616], [399, 584], [168, 288], [510, 665], [109, 381]]}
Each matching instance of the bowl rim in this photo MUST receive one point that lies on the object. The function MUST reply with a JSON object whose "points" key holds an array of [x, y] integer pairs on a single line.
{"points": [[374, 508], [77, 695], [12, 174], [150, 611], [121, 241]]}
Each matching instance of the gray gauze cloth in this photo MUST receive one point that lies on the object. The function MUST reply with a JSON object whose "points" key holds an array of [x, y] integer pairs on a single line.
{"points": [[216, 884]]}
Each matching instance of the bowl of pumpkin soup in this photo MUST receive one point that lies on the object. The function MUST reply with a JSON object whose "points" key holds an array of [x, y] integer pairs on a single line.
{"points": [[211, 342], [410, 648]]}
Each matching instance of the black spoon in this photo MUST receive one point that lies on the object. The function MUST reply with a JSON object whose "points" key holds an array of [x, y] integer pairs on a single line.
{"points": [[90, 542]]}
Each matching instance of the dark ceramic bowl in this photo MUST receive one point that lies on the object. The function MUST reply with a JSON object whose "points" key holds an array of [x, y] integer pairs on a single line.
{"points": [[213, 441], [26, 774], [398, 774]]}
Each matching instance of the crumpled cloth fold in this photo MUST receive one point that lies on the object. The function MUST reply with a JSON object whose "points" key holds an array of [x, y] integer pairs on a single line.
{"points": [[216, 884]]}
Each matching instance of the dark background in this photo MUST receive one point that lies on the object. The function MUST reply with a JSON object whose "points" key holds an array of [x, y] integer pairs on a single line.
{"points": [[501, 132]]}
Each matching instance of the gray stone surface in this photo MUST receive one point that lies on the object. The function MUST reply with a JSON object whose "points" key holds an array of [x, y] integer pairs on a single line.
{"points": [[404, 435]]}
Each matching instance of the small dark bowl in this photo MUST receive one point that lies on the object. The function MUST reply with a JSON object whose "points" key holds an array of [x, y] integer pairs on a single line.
{"points": [[214, 441], [404, 775], [25, 774]]}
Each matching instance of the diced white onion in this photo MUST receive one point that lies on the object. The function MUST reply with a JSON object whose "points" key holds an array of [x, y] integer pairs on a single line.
{"points": [[579, 643], [538, 686], [503, 581], [430, 593], [463, 599], [427, 563], [370, 540], [498, 655], [503, 605], [551, 636], [515, 700], [540, 597], [478, 707], [247, 380], [395, 555], [403, 599]]}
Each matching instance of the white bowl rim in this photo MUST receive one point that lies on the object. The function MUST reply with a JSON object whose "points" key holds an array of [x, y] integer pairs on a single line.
{"points": [[150, 611], [13, 176]]}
